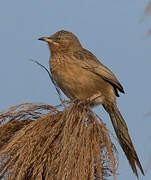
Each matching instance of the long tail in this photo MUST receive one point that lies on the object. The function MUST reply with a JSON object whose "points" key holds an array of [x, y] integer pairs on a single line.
{"points": [[124, 139]]}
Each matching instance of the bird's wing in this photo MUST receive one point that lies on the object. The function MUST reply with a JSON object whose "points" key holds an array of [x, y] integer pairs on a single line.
{"points": [[91, 63]]}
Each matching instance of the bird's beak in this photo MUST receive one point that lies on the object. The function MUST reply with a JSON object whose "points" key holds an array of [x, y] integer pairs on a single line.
{"points": [[46, 39]]}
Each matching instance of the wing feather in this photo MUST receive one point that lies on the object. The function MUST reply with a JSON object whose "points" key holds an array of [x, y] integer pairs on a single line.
{"points": [[91, 63]]}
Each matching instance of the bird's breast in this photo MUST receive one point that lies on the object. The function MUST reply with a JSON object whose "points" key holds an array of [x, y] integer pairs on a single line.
{"points": [[75, 81]]}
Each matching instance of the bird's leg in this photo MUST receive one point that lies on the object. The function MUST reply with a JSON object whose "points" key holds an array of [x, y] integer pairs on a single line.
{"points": [[96, 99]]}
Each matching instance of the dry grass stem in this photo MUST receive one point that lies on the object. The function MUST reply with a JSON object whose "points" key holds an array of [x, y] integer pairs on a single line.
{"points": [[148, 9], [148, 13], [39, 142]]}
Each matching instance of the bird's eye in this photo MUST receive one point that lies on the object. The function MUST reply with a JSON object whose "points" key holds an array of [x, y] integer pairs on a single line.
{"points": [[58, 39]]}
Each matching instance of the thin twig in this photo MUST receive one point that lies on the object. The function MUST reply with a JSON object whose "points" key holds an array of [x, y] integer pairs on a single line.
{"points": [[52, 80]]}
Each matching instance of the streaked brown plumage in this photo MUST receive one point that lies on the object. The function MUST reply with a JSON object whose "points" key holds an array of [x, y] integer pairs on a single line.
{"points": [[80, 75]]}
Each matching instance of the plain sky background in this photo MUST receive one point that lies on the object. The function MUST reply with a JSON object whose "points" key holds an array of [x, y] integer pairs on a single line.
{"points": [[111, 29]]}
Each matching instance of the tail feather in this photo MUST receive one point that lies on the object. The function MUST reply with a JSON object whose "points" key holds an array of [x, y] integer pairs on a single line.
{"points": [[124, 139]]}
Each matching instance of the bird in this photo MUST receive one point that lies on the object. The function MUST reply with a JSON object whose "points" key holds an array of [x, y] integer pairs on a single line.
{"points": [[81, 76]]}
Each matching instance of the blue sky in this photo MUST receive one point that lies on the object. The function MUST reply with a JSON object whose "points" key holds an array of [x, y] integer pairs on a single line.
{"points": [[112, 30]]}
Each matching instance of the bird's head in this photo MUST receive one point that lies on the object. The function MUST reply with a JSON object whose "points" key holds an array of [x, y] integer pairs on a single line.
{"points": [[62, 41]]}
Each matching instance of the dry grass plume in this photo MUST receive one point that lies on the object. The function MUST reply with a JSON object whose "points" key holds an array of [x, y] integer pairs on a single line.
{"points": [[148, 13], [40, 142]]}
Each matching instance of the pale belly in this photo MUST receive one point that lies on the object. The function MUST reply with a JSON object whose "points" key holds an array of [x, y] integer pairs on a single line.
{"points": [[79, 83]]}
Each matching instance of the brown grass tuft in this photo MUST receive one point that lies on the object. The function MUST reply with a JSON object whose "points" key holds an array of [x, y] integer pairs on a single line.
{"points": [[41, 142]]}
